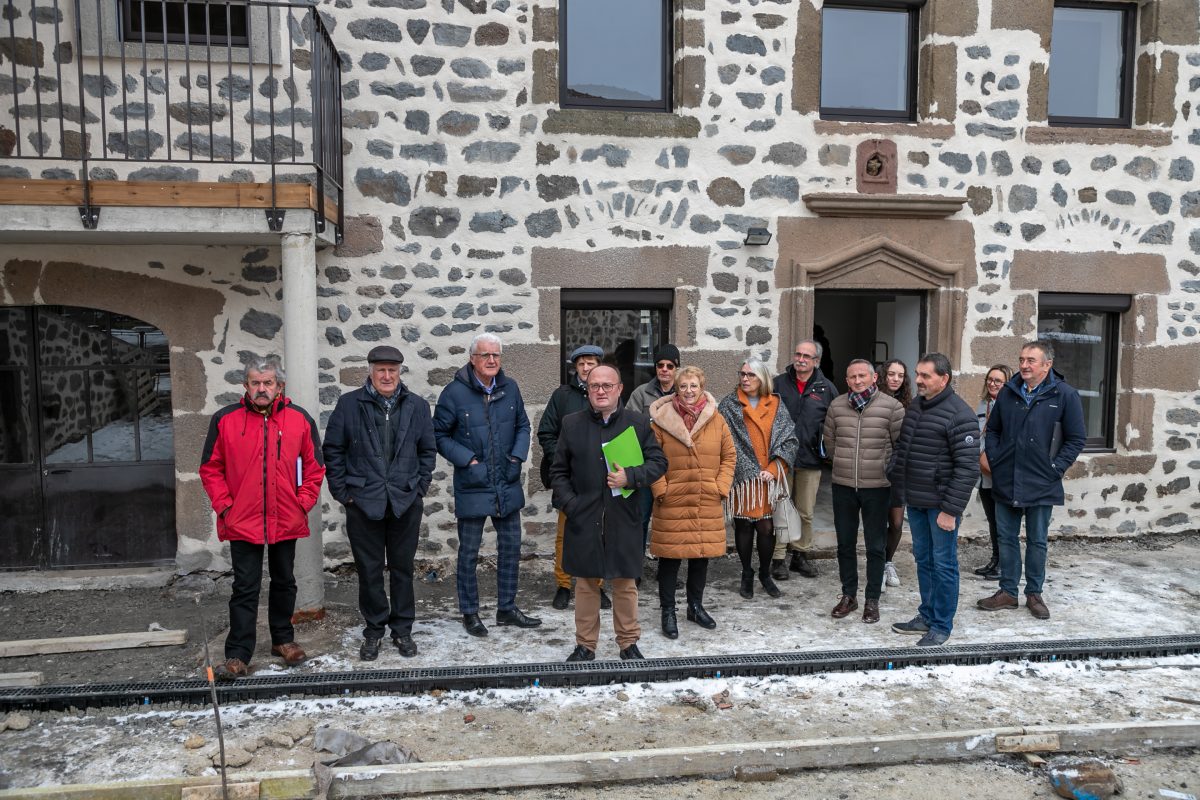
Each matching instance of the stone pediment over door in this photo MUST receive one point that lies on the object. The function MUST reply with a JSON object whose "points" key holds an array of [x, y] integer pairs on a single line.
{"points": [[877, 254]]}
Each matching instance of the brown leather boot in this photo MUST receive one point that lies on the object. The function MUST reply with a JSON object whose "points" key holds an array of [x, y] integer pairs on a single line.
{"points": [[290, 653], [844, 607], [871, 611], [1036, 607], [1000, 601], [232, 669]]}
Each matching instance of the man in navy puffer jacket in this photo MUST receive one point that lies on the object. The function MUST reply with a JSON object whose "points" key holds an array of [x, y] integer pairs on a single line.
{"points": [[1034, 434], [482, 429]]}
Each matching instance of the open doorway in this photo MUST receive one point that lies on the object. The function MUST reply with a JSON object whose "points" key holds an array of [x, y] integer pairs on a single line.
{"points": [[876, 325]]}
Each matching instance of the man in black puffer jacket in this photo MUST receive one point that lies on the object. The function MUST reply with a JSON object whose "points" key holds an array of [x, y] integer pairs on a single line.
{"points": [[934, 468]]}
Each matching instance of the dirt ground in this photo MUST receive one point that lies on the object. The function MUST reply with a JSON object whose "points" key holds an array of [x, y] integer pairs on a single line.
{"points": [[1095, 589]]}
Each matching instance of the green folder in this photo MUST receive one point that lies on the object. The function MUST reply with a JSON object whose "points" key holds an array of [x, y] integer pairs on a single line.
{"points": [[623, 449]]}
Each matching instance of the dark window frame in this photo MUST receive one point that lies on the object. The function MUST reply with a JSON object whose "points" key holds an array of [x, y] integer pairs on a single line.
{"points": [[667, 68], [661, 300], [238, 17], [1112, 306], [1129, 40], [909, 114]]}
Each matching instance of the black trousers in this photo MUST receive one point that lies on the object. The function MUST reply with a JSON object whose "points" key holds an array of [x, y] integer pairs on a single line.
{"points": [[989, 510], [391, 541], [872, 505], [243, 602], [668, 577]]}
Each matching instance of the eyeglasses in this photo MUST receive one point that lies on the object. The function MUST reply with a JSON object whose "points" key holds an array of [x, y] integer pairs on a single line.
{"points": [[747, 375], [997, 381], [808, 356], [602, 387], [486, 356], [665, 365]]}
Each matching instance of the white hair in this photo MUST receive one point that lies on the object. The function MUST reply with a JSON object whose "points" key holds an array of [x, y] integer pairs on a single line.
{"points": [[261, 365], [491, 338]]}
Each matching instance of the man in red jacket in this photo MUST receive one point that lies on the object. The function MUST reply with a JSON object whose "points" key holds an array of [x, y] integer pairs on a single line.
{"points": [[262, 469]]}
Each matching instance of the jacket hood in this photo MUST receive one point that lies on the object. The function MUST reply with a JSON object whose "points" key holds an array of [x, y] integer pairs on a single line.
{"points": [[663, 414]]}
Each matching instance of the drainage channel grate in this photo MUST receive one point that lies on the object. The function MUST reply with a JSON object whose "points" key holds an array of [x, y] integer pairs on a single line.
{"points": [[596, 673]]}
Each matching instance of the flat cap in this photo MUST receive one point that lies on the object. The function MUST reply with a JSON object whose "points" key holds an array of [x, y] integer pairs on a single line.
{"points": [[586, 350], [384, 354]]}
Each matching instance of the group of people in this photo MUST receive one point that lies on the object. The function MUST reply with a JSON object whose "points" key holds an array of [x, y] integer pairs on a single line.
{"points": [[692, 463]]}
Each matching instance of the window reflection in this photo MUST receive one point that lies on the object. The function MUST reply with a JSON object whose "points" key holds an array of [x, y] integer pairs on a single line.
{"points": [[615, 53], [628, 337], [865, 56], [1087, 63]]}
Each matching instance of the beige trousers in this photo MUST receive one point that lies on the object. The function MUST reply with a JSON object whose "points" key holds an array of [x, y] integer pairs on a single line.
{"points": [[625, 612], [805, 483]]}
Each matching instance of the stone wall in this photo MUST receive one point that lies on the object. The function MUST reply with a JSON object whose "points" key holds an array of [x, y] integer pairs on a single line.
{"points": [[475, 200]]}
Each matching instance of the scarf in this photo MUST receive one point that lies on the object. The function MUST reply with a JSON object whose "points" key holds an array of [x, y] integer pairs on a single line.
{"points": [[689, 414], [388, 402], [748, 491], [859, 400]]}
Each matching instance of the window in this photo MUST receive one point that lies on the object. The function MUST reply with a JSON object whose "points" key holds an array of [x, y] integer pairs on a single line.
{"points": [[868, 61], [1084, 329], [199, 23], [627, 324], [1091, 65], [615, 54]]}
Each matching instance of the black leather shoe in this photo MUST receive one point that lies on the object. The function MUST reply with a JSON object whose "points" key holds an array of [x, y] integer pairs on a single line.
{"points": [[990, 568], [406, 645], [746, 590], [803, 564], [632, 653], [518, 618], [779, 570], [369, 649], [670, 626], [697, 614], [581, 653], [474, 625], [605, 602], [562, 599]]}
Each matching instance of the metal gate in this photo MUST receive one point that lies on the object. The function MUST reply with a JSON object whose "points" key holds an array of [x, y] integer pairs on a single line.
{"points": [[87, 470]]}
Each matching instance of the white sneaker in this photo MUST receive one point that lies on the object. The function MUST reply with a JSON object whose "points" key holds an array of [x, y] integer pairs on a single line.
{"points": [[889, 574]]}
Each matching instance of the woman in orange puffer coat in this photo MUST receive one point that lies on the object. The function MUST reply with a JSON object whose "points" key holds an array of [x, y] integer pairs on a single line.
{"points": [[689, 516]]}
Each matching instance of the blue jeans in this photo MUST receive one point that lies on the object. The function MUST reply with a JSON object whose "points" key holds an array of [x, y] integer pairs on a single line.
{"points": [[508, 561], [936, 554], [1008, 529]]}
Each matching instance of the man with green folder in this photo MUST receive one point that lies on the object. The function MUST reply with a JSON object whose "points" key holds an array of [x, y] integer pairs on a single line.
{"points": [[601, 498]]}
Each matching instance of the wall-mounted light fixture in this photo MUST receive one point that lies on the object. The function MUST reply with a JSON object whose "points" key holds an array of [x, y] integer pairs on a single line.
{"points": [[757, 236]]}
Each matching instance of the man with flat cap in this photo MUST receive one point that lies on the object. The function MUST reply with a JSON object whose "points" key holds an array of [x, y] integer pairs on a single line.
{"points": [[572, 396], [379, 455]]}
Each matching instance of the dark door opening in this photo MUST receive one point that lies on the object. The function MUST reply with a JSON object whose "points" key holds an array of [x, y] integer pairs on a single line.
{"points": [[628, 324], [875, 325], [87, 469]]}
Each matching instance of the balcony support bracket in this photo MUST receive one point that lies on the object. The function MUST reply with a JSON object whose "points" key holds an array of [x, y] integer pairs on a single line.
{"points": [[275, 219], [89, 215]]}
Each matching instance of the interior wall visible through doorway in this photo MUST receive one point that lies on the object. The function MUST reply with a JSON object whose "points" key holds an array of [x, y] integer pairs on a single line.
{"points": [[876, 325]]}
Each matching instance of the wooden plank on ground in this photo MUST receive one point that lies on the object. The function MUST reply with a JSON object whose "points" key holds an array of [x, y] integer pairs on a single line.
{"points": [[679, 762], [10, 679], [80, 644]]}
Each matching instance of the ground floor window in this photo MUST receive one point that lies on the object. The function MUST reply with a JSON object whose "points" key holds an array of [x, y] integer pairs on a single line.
{"points": [[627, 323], [1085, 331]]}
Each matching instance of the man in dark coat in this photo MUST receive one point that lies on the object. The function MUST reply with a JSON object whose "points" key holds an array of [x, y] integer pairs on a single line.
{"points": [[1034, 434], [806, 393], [566, 399], [603, 536], [482, 429], [379, 454], [934, 469]]}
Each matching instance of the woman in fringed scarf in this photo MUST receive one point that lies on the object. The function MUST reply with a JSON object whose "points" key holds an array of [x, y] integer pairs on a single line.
{"points": [[689, 518], [765, 440]]}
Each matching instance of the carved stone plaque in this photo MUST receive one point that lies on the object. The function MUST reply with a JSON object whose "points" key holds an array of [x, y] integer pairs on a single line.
{"points": [[875, 170]]}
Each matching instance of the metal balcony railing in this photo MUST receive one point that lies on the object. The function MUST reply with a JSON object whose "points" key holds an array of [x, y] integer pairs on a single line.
{"points": [[228, 91]]}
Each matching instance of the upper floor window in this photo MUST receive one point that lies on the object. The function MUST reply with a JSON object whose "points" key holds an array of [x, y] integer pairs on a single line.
{"points": [[200, 22], [1091, 64], [615, 54], [868, 60], [1085, 332]]}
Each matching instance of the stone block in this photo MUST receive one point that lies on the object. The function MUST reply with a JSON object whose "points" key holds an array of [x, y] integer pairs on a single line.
{"points": [[989, 350], [1103, 272], [689, 81], [806, 61], [545, 77], [937, 89], [1154, 98], [1172, 368], [630, 267], [619, 123], [1025, 15], [363, 235], [951, 17], [545, 24], [1170, 22]]}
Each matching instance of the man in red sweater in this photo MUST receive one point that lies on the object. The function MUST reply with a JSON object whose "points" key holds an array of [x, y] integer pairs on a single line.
{"points": [[262, 469]]}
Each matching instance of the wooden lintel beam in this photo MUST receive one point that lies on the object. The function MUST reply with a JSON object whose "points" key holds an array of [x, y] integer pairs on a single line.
{"points": [[80, 644]]}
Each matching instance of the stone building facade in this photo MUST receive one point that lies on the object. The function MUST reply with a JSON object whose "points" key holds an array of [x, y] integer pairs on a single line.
{"points": [[478, 203]]}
